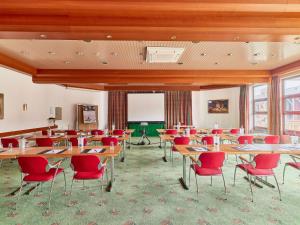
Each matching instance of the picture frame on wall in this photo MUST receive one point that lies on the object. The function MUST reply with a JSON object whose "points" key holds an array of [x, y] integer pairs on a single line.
{"points": [[218, 106], [1, 106]]}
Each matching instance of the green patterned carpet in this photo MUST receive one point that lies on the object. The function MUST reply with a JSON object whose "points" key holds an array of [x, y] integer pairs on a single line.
{"points": [[147, 192]]}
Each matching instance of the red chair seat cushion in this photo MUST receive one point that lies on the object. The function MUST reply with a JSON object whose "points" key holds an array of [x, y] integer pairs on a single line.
{"points": [[43, 177], [255, 172], [294, 164], [89, 175], [206, 171]]}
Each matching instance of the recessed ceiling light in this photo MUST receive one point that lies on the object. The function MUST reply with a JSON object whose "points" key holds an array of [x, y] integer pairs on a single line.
{"points": [[108, 36], [236, 38], [79, 53], [216, 63], [229, 54], [256, 54], [203, 54], [104, 62], [23, 52], [114, 54], [43, 36], [173, 37], [88, 41], [180, 63], [51, 53], [254, 63], [195, 42], [273, 55], [297, 38], [67, 62]]}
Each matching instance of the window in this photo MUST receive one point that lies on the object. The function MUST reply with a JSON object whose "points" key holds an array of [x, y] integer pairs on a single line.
{"points": [[291, 106], [260, 108]]}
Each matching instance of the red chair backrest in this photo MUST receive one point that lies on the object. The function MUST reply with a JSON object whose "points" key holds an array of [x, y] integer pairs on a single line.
{"points": [[33, 164], [209, 140], [85, 163], [212, 160], [118, 132], [97, 132], [181, 141], [272, 139], [45, 132], [266, 161], [44, 142], [193, 131], [107, 140], [235, 131], [245, 139], [71, 132], [74, 141], [217, 131], [171, 131], [6, 141]]}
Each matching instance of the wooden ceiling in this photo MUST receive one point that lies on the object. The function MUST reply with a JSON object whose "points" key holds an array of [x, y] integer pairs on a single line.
{"points": [[175, 20]]}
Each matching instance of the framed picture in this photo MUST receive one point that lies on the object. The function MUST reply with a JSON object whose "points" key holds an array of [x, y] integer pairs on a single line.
{"points": [[89, 114], [1, 106], [218, 106]]}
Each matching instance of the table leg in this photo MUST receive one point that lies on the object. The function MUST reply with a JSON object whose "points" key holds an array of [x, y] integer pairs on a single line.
{"points": [[129, 146], [165, 152], [112, 168], [182, 179], [159, 142], [124, 149]]}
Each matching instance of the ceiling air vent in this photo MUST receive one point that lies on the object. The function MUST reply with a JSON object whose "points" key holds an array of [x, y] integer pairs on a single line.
{"points": [[163, 54]]}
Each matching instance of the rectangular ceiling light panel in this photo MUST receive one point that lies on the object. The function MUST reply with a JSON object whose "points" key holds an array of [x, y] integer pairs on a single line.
{"points": [[163, 54]]}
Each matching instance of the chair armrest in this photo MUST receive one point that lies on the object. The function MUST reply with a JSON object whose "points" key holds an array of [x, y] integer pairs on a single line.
{"points": [[294, 157], [244, 160], [56, 164]]}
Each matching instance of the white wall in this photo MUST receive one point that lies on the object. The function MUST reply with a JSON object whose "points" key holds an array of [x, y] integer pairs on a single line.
{"points": [[203, 119], [18, 89]]}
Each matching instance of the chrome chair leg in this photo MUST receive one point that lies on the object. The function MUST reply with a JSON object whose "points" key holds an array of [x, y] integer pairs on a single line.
{"points": [[234, 176], [250, 183], [71, 191], [197, 185], [277, 186], [190, 175], [283, 176], [51, 189], [225, 190], [65, 181], [19, 194], [210, 180]]}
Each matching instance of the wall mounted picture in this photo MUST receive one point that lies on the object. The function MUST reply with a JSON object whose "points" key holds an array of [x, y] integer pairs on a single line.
{"points": [[89, 114], [218, 106], [1, 106]]}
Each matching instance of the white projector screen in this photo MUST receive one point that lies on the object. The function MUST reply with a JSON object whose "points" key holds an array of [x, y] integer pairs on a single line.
{"points": [[146, 107]]}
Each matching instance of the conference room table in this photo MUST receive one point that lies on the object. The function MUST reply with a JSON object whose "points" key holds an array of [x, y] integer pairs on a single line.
{"points": [[170, 138], [235, 149], [129, 133], [233, 138], [90, 138], [63, 152]]}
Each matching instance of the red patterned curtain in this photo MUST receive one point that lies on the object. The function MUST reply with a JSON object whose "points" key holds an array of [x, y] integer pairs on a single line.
{"points": [[275, 115], [178, 108], [244, 107], [117, 109]]}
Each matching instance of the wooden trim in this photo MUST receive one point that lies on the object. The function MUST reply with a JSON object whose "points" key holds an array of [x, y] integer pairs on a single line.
{"points": [[152, 88], [230, 77], [26, 131], [15, 64]]}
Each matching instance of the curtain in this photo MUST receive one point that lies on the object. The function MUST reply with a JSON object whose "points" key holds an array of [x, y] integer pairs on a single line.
{"points": [[117, 109], [178, 108], [244, 107], [275, 116]]}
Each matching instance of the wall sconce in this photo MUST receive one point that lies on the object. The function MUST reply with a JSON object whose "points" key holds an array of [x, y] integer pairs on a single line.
{"points": [[24, 107]]}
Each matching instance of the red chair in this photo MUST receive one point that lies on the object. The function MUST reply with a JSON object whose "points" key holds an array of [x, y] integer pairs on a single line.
{"points": [[74, 141], [211, 164], [118, 132], [178, 141], [193, 131], [44, 142], [208, 139], [245, 139], [71, 132], [272, 139], [235, 131], [217, 131], [295, 164], [171, 132], [45, 132], [97, 132], [261, 166], [6, 141], [87, 167], [106, 141], [33, 170]]}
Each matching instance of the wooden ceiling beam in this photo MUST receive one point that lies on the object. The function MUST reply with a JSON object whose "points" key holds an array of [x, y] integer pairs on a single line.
{"points": [[14, 64], [152, 76], [152, 88]]}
